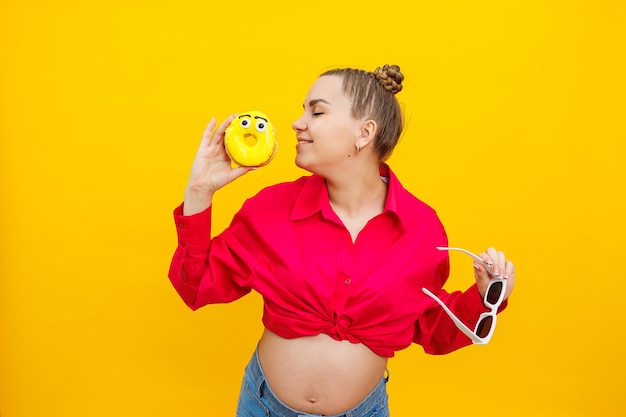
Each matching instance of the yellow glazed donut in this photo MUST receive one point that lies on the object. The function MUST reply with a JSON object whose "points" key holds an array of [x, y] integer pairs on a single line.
{"points": [[250, 139]]}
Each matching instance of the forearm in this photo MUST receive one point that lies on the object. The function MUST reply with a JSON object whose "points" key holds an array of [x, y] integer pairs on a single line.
{"points": [[190, 259], [186, 284], [204, 270], [437, 333]]}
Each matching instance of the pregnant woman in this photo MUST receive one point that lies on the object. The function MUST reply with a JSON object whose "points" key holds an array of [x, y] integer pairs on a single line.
{"points": [[345, 258]]}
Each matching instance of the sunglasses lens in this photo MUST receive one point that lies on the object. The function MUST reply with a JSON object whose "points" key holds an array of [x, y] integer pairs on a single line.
{"points": [[493, 292], [484, 326]]}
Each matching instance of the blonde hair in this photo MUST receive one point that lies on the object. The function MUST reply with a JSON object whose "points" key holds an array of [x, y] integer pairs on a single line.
{"points": [[373, 96]]}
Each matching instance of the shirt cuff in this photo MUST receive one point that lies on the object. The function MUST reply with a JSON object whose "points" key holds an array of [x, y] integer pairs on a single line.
{"points": [[194, 232], [473, 306]]}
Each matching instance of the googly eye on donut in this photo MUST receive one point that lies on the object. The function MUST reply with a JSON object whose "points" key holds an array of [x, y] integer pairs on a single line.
{"points": [[250, 139]]}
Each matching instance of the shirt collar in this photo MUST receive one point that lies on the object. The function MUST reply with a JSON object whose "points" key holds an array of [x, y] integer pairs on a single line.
{"points": [[313, 197]]}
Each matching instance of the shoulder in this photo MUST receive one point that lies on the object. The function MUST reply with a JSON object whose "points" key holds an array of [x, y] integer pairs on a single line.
{"points": [[419, 213], [277, 196], [421, 208], [283, 190], [415, 212]]}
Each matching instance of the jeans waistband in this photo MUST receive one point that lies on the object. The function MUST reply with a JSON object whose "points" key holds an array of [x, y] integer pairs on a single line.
{"points": [[263, 390]]}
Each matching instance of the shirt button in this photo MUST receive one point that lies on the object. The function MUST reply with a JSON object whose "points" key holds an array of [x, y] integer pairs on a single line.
{"points": [[348, 281]]}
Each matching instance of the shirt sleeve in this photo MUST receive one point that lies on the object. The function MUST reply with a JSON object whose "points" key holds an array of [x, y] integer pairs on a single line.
{"points": [[207, 270]]}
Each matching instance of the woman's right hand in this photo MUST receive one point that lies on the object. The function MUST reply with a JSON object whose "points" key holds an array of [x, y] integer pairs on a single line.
{"points": [[211, 170]]}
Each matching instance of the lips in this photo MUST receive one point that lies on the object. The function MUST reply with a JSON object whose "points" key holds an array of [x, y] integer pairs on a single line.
{"points": [[301, 140]]}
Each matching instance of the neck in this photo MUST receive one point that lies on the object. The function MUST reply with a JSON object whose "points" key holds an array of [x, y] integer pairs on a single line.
{"points": [[360, 194]]}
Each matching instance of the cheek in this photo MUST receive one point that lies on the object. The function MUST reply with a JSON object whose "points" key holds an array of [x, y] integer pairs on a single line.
{"points": [[335, 135], [345, 139]]}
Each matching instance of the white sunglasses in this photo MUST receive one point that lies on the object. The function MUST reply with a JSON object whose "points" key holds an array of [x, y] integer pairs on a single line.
{"points": [[493, 298]]}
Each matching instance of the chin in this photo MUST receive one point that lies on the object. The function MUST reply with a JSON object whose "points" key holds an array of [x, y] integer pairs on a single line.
{"points": [[302, 163]]}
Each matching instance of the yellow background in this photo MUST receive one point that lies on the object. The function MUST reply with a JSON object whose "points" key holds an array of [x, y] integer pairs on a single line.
{"points": [[516, 131]]}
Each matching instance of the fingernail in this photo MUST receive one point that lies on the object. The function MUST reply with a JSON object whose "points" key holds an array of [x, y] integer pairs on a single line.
{"points": [[476, 267]]}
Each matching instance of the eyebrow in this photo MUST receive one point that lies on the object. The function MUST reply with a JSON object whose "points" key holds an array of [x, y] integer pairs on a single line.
{"points": [[317, 100], [256, 117]]}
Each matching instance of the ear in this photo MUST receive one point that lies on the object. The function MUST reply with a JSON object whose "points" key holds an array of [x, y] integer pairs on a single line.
{"points": [[367, 133]]}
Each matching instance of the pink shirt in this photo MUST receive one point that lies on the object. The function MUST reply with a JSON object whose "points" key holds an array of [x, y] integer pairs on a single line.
{"points": [[287, 244]]}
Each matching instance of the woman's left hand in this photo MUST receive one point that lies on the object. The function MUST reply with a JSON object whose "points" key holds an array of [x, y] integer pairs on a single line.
{"points": [[500, 266]]}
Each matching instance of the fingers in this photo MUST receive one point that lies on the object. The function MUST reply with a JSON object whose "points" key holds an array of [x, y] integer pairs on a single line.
{"points": [[498, 263], [239, 171], [217, 136], [481, 271], [206, 136], [509, 271]]}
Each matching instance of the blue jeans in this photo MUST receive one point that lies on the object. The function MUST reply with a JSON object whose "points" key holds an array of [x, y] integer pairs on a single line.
{"points": [[256, 398]]}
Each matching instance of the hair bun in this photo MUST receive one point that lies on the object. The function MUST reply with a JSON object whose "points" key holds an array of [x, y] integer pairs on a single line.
{"points": [[390, 77]]}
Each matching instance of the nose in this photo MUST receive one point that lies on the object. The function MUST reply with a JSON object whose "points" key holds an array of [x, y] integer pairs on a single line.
{"points": [[299, 125]]}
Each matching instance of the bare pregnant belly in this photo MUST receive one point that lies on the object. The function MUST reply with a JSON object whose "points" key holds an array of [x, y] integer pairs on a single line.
{"points": [[317, 374]]}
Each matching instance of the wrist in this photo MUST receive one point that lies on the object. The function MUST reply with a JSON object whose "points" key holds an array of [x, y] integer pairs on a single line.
{"points": [[196, 201]]}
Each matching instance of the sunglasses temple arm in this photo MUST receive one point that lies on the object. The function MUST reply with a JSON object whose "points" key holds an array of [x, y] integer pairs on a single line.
{"points": [[459, 324], [474, 256]]}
